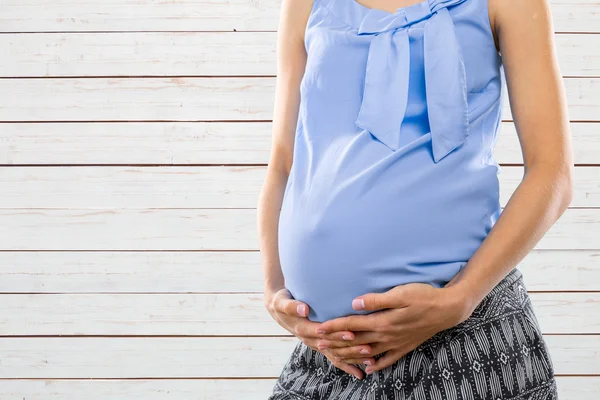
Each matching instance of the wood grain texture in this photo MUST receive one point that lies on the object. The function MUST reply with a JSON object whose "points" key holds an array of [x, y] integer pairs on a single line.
{"points": [[132, 187], [124, 99], [210, 229], [151, 54], [194, 54], [185, 143], [185, 187], [135, 235], [206, 357], [200, 229], [144, 143], [569, 388], [188, 99], [226, 272], [172, 389], [203, 314], [202, 15]]}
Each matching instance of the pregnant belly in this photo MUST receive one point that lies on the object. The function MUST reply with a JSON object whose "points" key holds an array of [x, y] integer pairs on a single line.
{"points": [[335, 246]]}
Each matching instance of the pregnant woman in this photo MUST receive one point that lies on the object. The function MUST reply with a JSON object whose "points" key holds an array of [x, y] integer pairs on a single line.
{"points": [[385, 247]]}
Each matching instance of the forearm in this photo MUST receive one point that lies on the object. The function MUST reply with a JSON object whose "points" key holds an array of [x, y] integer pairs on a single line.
{"points": [[540, 199], [268, 209]]}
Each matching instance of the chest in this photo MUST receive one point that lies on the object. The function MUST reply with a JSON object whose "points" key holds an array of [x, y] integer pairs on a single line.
{"points": [[390, 6], [341, 35]]}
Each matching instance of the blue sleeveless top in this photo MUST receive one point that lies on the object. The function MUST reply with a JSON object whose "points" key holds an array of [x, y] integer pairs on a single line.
{"points": [[393, 179]]}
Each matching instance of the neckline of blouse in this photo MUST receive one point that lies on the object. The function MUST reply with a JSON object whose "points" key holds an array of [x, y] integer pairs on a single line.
{"points": [[353, 13], [368, 9]]}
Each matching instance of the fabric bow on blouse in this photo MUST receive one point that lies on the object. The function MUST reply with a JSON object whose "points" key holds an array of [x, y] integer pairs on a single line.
{"points": [[385, 93]]}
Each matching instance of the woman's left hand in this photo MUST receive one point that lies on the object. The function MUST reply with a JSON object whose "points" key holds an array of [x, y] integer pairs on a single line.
{"points": [[405, 317]]}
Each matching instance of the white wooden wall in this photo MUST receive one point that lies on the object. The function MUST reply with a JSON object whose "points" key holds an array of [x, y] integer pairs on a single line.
{"points": [[133, 141]]}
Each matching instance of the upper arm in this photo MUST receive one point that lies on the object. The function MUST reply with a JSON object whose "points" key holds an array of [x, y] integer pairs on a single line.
{"points": [[536, 92], [291, 61]]}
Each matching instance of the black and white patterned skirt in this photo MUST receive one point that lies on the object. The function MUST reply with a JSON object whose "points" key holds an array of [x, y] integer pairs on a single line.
{"points": [[497, 353]]}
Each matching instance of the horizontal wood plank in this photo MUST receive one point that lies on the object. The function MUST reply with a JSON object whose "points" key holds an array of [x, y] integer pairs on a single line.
{"points": [[194, 54], [153, 54], [136, 281], [184, 143], [55, 357], [200, 229], [188, 99], [136, 99], [180, 187], [146, 143], [226, 272], [202, 15], [187, 229], [138, 15], [132, 187], [133, 272], [569, 388], [203, 314], [159, 389]]}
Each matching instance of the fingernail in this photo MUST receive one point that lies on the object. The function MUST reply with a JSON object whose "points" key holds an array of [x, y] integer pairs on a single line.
{"points": [[368, 370], [301, 309], [364, 351], [346, 337], [358, 304], [367, 362], [320, 331]]}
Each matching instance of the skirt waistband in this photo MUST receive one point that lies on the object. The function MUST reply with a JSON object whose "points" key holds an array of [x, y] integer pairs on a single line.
{"points": [[513, 276]]}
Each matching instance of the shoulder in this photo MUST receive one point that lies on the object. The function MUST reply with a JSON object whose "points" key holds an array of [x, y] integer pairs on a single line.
{"points": [[294, 15], [296, 9], [517, 15]]}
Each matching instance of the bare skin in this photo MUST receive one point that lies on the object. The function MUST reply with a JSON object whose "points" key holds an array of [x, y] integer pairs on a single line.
{"points": [[408, 315]]}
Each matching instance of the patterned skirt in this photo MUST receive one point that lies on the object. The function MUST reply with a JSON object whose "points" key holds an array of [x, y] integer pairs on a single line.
{"points": [[497, 353]]}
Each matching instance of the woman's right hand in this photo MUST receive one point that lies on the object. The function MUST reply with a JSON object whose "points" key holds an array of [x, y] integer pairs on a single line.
{"points": [[292, 315]]}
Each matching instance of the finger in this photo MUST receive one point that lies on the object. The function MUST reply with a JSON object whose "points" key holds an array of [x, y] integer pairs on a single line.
{"points": [[366, 361], [334, 344], [338, 339], [305, 328], [356, 353], [350, 323], [350, 369], [361, 351], [343, 336], [379, 301], [389, 358], [317, 343], [360, 338], [286, 304]]}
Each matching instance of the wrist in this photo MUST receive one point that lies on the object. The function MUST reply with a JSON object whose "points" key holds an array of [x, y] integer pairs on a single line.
{"points": [[462, 300], [269, 293]]}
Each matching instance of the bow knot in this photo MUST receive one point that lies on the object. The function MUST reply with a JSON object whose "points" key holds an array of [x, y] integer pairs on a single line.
{"points": [[385, 94], [379, 21]]}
